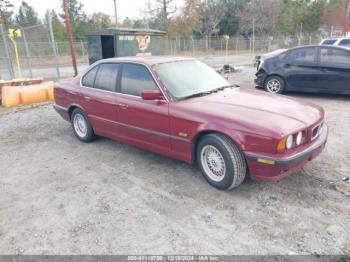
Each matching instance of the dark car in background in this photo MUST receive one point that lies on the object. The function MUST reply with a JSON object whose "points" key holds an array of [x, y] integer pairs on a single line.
{"points": [[315, 69]]}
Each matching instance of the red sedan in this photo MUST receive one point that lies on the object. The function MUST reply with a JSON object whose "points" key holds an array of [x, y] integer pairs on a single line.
{"points": [[183, 109]]}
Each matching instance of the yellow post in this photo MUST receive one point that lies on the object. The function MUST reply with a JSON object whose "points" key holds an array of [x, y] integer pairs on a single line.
{"points": [[12, 33], [226, 37]]}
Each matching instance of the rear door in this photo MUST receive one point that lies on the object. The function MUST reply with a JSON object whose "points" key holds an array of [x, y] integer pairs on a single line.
{"points": [[334, 66], [99, 98], [142, 122], [301, 69]]}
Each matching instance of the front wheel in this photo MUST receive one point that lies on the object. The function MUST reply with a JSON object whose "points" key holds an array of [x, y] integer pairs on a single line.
{"points": [[221, 162], [274, 84]]}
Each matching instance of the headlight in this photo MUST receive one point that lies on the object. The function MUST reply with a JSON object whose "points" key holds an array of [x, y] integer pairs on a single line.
{"points": [[289, 142], [299, 138]]}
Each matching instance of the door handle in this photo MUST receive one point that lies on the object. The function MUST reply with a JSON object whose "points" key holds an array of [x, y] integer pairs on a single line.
{"points": [[72, 92], [286, 65], [87, 98], [123, 106]]}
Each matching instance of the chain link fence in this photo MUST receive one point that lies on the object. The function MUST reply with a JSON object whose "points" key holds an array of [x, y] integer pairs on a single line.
{"points": [[236, 45], [41, 56]]}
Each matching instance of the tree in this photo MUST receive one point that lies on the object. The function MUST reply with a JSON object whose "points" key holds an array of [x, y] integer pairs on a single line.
{"points": [[76, 12], [100, 20], [212, 15], [139, 23], [79, 21], [261, 15], [26, 15], [298, 16], [160, 12], [229, 23], [58, 27], [6, 12], [128, 23], [334, 14], [188, 20]]}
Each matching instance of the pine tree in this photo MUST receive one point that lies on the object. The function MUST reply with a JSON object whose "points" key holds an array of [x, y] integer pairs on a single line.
{"points": [[26, 15], [6, 12]]}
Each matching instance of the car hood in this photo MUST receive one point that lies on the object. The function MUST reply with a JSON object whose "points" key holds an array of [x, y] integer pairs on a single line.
{"points": [[247, 110]]}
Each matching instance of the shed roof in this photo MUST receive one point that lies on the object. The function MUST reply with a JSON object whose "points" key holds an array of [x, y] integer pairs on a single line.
{"points": [[126, 31]]}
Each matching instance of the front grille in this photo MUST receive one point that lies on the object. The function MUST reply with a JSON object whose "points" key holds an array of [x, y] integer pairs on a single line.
{"points": [[316, 131]]}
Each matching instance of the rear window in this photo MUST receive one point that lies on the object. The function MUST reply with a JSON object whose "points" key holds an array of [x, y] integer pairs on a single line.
{"points": [[106, 78], [89, 79], [345, 42], [336, 56], [329, 42]]}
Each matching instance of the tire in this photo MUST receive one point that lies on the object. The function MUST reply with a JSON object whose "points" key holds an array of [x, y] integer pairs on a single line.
{"points": [[82, 127], [274, 84], [220, 148]]}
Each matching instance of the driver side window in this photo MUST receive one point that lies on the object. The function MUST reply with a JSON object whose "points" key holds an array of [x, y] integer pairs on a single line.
{"points": [[136, 79]]}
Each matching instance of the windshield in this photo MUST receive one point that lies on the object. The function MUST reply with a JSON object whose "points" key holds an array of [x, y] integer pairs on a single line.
{"points": [[187, 78]]}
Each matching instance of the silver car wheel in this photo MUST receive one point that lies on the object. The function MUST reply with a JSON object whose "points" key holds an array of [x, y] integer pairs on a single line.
{"points": [[273, 86], [80, 125], [213, 163]]}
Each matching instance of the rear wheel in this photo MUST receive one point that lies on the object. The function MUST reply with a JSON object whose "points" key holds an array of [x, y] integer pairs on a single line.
{"points": [[221, 162], [274, 84], [81, 126]]}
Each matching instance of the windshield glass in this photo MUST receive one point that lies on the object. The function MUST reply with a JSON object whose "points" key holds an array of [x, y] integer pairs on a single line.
{"points": [[187, 78]]}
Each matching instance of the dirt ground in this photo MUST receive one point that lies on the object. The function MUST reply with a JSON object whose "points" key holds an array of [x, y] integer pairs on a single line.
{"points": [[60, 196]]}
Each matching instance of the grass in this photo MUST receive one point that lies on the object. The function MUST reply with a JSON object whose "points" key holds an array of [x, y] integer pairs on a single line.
{"points": [[4, 110]]}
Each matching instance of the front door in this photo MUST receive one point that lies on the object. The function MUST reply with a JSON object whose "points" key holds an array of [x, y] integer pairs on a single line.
{"points": [[142, 122], [301, 70], [334, 70], [99, 98]]}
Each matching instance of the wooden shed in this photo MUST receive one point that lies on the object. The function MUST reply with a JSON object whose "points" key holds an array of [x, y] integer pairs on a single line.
{"points": [[117, 42]]}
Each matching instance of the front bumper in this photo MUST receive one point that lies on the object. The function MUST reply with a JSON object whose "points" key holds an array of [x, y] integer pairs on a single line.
{"points": [[260, 79], [275, 168]]}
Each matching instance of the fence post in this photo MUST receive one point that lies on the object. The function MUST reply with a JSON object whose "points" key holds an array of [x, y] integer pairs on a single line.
{"points": [[236, 47], [53, 43], [7, 51], [82, 48], [27, 53], [192, 46]]}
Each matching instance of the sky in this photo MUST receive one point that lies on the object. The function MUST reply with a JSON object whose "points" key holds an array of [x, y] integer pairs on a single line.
{"points": [[126, 8]]}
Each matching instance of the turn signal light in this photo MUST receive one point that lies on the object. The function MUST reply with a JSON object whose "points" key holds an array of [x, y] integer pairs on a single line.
{"points": [[281, 146]]}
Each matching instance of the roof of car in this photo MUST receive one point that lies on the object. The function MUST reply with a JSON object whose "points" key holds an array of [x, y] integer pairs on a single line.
{"points": [[148, 60], [323, 46], [337, 37]]}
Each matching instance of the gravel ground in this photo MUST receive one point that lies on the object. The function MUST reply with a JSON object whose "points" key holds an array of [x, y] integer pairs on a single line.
{"points": [[60, 196]]}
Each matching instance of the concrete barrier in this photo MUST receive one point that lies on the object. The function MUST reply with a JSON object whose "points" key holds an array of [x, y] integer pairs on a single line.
{"points": [[19, 82], [24, 95]]}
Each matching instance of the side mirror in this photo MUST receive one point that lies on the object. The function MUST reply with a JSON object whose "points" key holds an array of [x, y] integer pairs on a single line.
{"points": [[152, 95]]}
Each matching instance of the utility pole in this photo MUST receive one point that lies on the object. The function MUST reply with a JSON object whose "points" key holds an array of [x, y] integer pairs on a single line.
{"points": [[70, 37], [115, 13]]}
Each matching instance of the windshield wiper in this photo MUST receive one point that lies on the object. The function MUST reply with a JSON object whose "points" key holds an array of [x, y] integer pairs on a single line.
{"points": [[209, 92], [197, 95], [225, 87]]}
